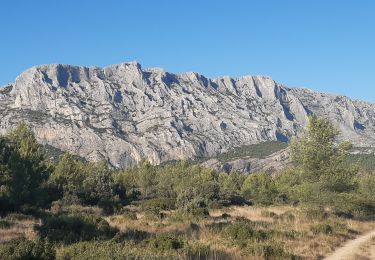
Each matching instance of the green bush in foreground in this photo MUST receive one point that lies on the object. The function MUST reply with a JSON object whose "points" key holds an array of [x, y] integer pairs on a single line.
{"points": [[23, 171], [22, 248], [159, 247]]}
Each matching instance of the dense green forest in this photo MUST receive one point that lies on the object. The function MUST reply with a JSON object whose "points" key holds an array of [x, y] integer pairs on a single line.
{"points": [[321, 181]]}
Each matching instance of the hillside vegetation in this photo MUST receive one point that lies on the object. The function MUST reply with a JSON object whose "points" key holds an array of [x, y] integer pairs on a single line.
{"points": [[253, 151], [72, 209]]}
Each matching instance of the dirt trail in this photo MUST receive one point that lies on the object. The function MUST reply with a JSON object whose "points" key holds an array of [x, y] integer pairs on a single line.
{"points": [[351, 248]]}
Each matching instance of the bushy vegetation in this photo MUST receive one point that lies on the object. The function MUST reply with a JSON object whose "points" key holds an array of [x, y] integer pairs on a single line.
{"points": [[322, 177], [76, 182], [23, 171], [69, 229], [254, 240], [366, 162], [159, 247], [243, 231], [71, 199], [268, 250], [191, 188], [22, 248], [254, 151], [329, 228], [260, 188]]}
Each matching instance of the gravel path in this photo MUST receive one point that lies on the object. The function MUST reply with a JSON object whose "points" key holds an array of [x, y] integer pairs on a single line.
{"points": [[351, 248]]}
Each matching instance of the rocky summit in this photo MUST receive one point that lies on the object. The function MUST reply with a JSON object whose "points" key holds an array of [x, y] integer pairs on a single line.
{"points": [[123, 113]]}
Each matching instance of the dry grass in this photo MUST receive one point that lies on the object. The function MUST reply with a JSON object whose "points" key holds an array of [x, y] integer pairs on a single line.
{"points": [[309, 245], [124, 224], [59, 208], [252, 213], [193, 231], [306, 244], [20, 227]]}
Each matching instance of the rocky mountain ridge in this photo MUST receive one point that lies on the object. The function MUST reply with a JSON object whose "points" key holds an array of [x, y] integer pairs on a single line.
{"points": [[123, 113]]}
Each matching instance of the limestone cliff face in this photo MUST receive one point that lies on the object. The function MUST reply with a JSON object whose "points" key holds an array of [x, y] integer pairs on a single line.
{"points": [[123, 113]]}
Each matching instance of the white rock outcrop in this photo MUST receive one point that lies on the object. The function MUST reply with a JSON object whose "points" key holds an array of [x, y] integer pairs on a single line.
{"points": [[124, 114]]}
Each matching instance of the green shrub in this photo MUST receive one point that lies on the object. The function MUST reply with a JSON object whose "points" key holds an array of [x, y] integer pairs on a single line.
{"points": [[267, 250], [72, 228], [200, 212], [315, 214], [159, 203], [23, 171], [325, 179], [240, 232], [22, 248], [259, 188], [365, 161], [200, 195], [160, 248], [170, 186], [354, 205], [230, 186], [339, 227], [329, 228], [78, 182], [131, 234], [166, 242], [108, 250], [322, 228]]}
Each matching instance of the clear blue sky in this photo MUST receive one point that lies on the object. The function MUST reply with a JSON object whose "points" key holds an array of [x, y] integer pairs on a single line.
{"points": [[326, 45]]}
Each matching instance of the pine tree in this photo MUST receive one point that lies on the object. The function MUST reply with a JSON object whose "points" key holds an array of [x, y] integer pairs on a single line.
{"points": [[321, 164], [23, 169]]}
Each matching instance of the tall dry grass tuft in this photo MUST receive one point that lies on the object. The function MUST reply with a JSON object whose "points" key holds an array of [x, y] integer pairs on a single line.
{"points": [[18, 226]]}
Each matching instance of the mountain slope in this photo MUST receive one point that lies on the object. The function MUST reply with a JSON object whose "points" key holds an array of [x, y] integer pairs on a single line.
{"points": [[124, 114]]}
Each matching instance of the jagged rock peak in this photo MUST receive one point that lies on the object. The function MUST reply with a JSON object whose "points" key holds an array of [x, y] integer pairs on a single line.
{"points": [[123, 113], [60, 75]]}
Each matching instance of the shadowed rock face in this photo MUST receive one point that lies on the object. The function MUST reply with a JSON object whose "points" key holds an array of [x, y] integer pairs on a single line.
{"points": [[124, 114]]}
